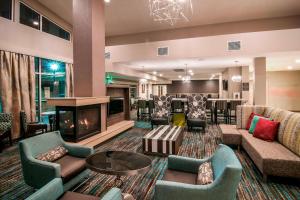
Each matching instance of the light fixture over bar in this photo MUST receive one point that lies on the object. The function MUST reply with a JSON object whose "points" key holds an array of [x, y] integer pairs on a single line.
{"points": [[170, 11]]}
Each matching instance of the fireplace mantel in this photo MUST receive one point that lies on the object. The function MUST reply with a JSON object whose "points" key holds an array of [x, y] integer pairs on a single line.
{"points": [[77, 101]]}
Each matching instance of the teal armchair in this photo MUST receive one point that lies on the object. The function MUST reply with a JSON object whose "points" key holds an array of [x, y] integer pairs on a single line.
{"points": [[38, 173], [227, 173], [55, 190]]}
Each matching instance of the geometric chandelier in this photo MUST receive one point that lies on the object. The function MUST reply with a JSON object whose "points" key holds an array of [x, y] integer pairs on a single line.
{"points": [[170, 11]]}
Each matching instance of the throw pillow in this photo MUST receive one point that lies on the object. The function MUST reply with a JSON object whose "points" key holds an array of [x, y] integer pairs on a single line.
{"points": [[53, 154], [266, 129], [254, 122], [250, 120], [205, 174]]}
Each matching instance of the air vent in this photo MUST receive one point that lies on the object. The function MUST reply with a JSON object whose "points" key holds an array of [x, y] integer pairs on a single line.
{"points": [[234, 45], [107, 55], [163, 51], [178, 70]]}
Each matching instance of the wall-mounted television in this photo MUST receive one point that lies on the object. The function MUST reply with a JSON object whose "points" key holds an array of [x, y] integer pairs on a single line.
{"points": [[115, 106]]}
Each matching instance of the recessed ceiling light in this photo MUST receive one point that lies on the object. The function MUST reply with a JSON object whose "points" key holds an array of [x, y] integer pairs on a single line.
{"points": [[35, 23], [160, 74], [107, 1], [179, 76], [290, 67], [192, 74], [190, 71], [297, 61], [154, 72]]}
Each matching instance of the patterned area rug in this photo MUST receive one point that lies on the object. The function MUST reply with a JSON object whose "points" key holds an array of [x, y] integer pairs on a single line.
{"points": [[195, 144]]}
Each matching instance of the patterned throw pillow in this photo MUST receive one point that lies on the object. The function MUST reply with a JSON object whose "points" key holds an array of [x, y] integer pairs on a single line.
{"points": [[53, 154], [205, 174]]}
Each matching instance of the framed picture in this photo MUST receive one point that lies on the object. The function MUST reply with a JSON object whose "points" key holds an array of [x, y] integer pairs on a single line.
{"points": [[245, 86]]}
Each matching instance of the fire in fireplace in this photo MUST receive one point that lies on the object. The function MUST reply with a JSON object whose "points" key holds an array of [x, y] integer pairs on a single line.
{"points": [[78, 123]]}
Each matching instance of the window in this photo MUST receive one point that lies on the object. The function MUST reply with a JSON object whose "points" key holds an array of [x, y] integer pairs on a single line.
{"points": [[6, 8], [29, 17], [1, 110], [51, 28], [50, 82]]}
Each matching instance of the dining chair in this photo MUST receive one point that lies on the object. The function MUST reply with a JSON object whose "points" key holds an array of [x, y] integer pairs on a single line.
{"points": [[29, 129]]}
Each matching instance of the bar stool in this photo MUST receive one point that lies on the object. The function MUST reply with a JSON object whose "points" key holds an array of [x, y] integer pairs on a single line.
{"points": [[177, 106], [151, 106], [232, 109], [142, 110], [209, 111], [221, 111]]}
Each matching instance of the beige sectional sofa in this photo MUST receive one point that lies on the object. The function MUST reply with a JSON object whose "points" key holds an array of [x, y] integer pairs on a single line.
{"points": [[278, 158]]}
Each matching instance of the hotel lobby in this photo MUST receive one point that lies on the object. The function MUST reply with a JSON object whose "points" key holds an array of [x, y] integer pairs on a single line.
{"points": [[149, 99]]}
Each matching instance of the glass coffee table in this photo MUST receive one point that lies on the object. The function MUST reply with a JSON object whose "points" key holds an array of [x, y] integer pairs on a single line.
{"points": [[118, 163]]}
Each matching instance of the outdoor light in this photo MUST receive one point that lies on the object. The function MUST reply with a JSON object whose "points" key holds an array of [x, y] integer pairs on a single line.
{"points": [[54, 66], [35, 23]]}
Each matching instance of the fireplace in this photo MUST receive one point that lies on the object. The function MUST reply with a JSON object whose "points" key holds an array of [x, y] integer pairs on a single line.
{"points": [[78, 122]]}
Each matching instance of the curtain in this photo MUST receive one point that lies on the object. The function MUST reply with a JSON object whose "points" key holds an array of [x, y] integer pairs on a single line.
{"points": [[69, 80], [17, 87]]}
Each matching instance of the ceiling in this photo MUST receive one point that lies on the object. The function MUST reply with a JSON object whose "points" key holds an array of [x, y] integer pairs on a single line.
{"points": [[205, 68], [132, 16]]}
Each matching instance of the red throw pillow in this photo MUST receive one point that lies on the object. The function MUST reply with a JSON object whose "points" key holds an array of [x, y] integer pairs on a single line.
{"points": [[250, 120], [266, 129]]}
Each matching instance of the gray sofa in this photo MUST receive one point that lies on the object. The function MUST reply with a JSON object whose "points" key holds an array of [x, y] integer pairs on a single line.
{"points": [[278, 158]]}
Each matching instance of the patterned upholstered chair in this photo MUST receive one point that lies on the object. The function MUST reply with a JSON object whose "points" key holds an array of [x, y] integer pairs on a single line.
{"points": [[5, 121], [30, 128], [179, 181], [5, 127], [196, 115], [162, 110]]}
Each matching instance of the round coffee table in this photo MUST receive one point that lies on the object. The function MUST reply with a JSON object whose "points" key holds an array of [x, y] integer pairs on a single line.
{"points": [[119, 163]]}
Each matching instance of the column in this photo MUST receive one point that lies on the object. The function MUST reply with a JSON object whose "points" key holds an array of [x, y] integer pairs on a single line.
{"points": [[88, 48], [260, 81], [88, 51]]}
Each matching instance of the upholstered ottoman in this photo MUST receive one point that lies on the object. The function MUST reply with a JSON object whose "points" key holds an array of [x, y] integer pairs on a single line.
{"points": [[163, 140], [230, 135]]}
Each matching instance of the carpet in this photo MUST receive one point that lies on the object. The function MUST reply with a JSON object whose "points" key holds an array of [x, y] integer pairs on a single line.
{"points": [[195, 144]]}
